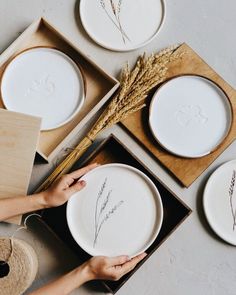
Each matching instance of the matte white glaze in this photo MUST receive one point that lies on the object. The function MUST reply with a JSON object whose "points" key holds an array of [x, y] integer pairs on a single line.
{"points": [[129, 25], [43, 82], [219, 202], [122, 220], [190, 116]]}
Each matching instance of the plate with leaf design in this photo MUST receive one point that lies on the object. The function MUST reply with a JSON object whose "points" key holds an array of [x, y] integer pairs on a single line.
{"points": [[219, 202], [190, 116], [43, 82], [122, 25], [119, 212]]}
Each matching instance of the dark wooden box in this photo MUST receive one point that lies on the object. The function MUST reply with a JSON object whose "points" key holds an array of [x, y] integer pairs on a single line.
{"points": [[175, 211]]}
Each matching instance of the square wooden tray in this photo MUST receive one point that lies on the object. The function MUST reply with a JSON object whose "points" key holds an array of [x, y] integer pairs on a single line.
{"points": [[184, 169], [99, 85], [112, 150]]}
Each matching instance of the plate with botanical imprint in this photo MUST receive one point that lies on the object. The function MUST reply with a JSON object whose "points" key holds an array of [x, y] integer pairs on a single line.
{"points": [[190, 116], [219, 202], [46, 83], [119, 212], [122, 25]]}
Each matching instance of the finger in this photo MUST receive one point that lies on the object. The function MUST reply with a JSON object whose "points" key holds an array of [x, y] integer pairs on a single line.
{"points": [[67, 180], [78, 186], [118, 260], [78, 173], [128, 266]]}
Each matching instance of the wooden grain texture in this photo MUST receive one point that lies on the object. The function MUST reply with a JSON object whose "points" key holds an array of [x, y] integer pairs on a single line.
{"points": [[97, 83], [185, 170], [18, 142]]}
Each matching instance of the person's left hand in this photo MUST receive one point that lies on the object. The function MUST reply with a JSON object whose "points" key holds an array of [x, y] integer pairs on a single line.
{"points": [[110, 268], [63, 188]]}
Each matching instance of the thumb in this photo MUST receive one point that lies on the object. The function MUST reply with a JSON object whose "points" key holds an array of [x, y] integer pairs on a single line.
{"points": [[79, 185]]}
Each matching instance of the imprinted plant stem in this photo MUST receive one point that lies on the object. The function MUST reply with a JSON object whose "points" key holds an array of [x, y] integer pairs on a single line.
{"points": [[97, 202], [116, 14], [231, 192]]}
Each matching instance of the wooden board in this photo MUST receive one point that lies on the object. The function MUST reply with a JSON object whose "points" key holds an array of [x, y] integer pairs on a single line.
{"points": [[114, 151], [18, 142], [185, 170], [99, 85]]}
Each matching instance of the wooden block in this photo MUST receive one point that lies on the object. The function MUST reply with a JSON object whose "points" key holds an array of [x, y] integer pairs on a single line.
{"points": [[184, 169], [18, 142]]}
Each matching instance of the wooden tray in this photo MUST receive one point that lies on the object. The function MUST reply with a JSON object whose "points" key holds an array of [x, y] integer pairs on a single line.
{"points": [[186, 170], [100, 86], [110, 151]]}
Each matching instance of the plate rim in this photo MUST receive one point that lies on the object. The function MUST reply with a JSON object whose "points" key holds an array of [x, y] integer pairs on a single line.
{"points": [[204, 203], [143, 44], [211, 82], [157, 198], [65, 55]]}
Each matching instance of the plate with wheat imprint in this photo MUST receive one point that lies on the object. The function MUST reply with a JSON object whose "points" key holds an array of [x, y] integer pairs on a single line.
{"points": [[119, 212], [122, 25], [43, 82], [219, 202], [190, 116]]}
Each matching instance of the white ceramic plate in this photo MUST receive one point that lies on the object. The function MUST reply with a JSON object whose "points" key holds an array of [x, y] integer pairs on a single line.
{"points": [[122, 25], [219, 202], [43, 82], [190, 116], [119, 212]]}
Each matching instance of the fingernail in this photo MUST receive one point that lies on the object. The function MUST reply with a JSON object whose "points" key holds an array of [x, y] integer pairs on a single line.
{"points": [[82, 182]]}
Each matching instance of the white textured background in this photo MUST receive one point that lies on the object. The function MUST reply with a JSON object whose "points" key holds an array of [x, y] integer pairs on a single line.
{"points": [[193, 260]]}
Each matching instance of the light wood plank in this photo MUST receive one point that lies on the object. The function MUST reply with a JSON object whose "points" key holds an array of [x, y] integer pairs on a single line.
{"points": [[18, 142]]}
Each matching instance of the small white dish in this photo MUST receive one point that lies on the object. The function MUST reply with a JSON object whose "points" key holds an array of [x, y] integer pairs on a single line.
{"points": [[190, 116], [119, 212], [122, 25], [46, 83], [219, 202]]}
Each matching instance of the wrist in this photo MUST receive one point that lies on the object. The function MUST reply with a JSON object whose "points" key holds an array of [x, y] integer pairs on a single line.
{"points": [[41, 200], [85, 272]]}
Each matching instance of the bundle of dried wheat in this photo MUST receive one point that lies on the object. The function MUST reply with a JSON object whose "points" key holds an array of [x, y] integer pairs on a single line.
{"points": [[134, 88]]}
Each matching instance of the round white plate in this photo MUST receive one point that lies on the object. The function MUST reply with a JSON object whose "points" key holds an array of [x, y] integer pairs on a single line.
{"points": [[190, 116], [219, 202], [119, 212], [122, 25], [43, 82]]}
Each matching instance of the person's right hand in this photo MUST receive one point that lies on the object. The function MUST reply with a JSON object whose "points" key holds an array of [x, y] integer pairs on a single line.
{"points": [[64, 187], [114, 268]]}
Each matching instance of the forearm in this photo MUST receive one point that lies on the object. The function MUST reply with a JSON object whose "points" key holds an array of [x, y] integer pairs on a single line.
{"points": [[20, 205], [67, 283]]}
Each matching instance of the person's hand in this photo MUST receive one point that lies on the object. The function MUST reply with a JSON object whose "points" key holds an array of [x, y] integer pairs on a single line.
{"points": [[96, 268], [113, 268], [63, 188]]}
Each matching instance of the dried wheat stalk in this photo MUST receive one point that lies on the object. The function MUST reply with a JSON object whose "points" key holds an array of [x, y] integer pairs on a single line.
{"points": [[134, 88]]}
